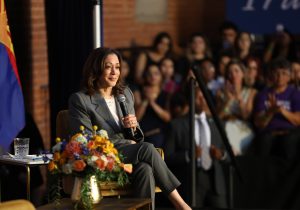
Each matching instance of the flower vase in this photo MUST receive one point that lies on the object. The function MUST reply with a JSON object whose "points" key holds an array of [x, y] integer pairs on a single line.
{"points": [[77, 191]]}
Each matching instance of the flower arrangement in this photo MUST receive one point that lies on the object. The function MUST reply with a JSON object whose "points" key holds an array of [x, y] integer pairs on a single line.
{"points": [[89, 154]]}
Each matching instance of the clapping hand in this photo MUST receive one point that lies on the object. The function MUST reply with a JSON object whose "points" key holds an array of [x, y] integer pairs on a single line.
{"points": [[229, 91], [198, 151], [150, 95], [216, 153], [272, 105]]}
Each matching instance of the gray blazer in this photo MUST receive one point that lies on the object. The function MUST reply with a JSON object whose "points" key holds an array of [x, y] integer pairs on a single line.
{"points": [[92, 110]]}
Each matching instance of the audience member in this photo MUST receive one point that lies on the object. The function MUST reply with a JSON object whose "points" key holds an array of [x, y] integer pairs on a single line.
{"points": [[277, 114], [210, 181], [223, 60], [282, 44], [234, 106], [208, 72], [152, 106], [162, 46], [167, 68], [295, 76], [198, 48], [254, 77], [228, 33], [244, 46], [179, 105]]}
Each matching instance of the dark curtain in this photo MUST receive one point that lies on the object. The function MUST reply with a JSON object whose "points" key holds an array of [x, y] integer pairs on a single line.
{"points": [[70, 39]]}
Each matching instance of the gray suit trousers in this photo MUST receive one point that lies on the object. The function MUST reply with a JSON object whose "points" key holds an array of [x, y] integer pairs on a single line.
{"points": [[148, 170]]}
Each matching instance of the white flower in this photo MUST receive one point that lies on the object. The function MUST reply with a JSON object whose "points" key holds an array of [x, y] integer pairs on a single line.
{"points": [[103, 133], [91, 160], [81, 139], [103, 157], [67, 168]]}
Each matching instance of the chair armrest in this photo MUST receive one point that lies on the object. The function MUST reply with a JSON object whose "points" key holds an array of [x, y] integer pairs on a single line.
{"points": [[17, 204], [161, 152]]}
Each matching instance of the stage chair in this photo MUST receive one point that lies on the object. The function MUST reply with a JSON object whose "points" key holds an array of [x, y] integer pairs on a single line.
{"points": [[107, 188]]}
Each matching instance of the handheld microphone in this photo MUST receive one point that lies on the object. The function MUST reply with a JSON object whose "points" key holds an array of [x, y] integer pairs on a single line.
{"points": [[123, 106]]}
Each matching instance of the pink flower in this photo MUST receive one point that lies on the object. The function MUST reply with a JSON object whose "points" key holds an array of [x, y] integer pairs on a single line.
{"points": [[110, 163], [73, 147]]}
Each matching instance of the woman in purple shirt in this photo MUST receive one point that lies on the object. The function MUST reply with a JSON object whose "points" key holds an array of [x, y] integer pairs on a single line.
{"points": [[277, 114]]}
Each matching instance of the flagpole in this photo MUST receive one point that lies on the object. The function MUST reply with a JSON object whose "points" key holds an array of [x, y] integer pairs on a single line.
{"points": [[97, 23]]}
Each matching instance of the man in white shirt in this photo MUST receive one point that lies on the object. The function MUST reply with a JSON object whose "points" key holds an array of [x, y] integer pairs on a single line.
{"points": [[210, 189]]}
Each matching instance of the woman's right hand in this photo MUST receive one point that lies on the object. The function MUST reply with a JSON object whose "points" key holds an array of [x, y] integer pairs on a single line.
{"points": [[130, 121]]}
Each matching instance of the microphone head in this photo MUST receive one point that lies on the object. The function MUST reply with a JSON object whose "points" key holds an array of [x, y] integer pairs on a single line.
{"points": [[121, 98]]}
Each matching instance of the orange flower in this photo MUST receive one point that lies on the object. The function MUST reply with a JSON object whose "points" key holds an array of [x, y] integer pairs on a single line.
{"points": [[56, 156], [52, 166], [91, 145], [79, 165], [101, 163]]}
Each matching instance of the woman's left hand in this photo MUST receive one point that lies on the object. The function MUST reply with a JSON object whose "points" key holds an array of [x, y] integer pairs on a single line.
{"points": [[130, 121]]}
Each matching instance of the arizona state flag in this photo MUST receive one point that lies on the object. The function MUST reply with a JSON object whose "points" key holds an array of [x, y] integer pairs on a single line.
{"points": [[12, 114]]}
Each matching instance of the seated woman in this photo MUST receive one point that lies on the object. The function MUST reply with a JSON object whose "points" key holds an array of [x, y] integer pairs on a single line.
{"points": [[162, 47], [254, 76], [170, 83], [197, 49], [152, 106], [277, 114], [234, 105], [96, 104], [244, 46]]}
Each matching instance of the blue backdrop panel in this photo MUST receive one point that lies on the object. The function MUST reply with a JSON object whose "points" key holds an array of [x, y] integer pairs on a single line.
{"points": [[263, 16]]}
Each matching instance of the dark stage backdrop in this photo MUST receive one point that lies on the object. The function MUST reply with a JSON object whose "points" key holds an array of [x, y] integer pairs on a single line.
{"points": [[268, 183], [70, 37]]}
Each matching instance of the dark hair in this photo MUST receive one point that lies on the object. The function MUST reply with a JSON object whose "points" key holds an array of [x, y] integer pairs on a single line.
{"points": [[167, 58], [179, 99], [147, 71], [236, 42], [257, 61], [94, 67], [225, 53], [208, 52], [159, 37], [279, 63], [228, 25], [232, 62], [207, 60]]}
